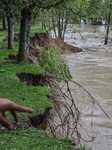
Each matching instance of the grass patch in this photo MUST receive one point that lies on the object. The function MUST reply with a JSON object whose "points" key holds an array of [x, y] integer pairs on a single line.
{"points": [[10, 68], [32, 139], [30, 96], [36, 29]]}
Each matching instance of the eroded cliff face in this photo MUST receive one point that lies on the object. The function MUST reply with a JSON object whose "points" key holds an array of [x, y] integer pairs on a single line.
{"points": [[42, 41]]}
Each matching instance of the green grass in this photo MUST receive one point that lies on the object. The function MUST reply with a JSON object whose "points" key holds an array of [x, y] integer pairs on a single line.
{"points": [[36, 29], [30, 96], [32, 139], [3, 34], [11, 68]]}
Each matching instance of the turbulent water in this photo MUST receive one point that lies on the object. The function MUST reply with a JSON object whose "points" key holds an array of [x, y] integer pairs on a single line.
{"points": [[92, 68]]}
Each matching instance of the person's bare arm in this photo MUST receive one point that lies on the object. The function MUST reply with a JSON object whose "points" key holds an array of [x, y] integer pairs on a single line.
{"points": [[8, 105]]}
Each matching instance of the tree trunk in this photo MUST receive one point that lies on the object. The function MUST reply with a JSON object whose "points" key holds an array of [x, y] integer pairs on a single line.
{"points": [[66, 22], [106, 37], [43, 19], [24, 35], [108, 26], [10, 33], [4, 23], [59, 24], [53, 22]]}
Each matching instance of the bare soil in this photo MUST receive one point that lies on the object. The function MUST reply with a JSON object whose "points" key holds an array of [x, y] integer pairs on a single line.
{"points": [[43, 41]]}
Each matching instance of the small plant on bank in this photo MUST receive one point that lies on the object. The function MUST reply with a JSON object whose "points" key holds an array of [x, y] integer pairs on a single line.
{"points": [[52, 63]]}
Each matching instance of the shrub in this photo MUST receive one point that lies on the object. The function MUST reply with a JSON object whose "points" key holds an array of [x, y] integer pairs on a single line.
{"points": [[51, 62]]}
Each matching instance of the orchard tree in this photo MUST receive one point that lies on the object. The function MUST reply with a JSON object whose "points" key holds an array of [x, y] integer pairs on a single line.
{"points": [[4, 22], [7, 13], [95, 11], [108, 18], [101, 10], [57, 19], [79, 11], [3, 15], [26, 16], [9, 9]]}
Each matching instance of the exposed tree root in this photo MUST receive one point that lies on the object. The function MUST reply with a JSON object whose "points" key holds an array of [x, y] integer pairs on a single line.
{"points": [[71, 103], [67, 116]]}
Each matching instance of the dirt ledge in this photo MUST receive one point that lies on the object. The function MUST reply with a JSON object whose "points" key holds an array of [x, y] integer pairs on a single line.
{"points": [[42, 41]]}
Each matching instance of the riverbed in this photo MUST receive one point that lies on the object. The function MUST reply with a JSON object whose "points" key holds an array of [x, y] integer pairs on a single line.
{"points": [[92, 69]]}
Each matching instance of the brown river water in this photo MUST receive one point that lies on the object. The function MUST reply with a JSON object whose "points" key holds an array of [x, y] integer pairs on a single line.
{"points": [[92, 68]]}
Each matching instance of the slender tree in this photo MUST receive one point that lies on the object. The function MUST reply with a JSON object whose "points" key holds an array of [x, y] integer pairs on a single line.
{"points": [[26, 14], [4, 22], [24, 35], [10, 32], [95, 11], [108, 24], [7, 13], [58, 20]]}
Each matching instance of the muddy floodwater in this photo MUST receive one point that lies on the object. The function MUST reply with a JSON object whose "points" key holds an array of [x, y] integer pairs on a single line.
{"points": [[92, 69]]}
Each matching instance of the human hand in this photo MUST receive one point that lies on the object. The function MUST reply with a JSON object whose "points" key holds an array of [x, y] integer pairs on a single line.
{"points": [[8, 105]]}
